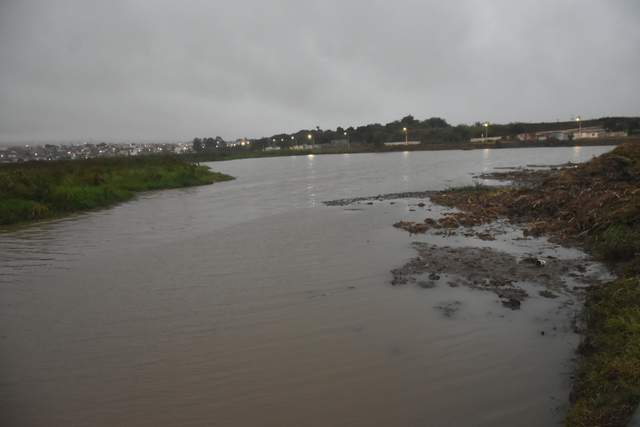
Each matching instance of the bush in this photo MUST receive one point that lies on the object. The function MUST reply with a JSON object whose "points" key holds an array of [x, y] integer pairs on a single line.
{"points": [[619, 242]]}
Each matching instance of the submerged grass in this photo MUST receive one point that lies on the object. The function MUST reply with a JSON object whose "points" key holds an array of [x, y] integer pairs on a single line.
{"points": [[596, 205], [39, 190]]}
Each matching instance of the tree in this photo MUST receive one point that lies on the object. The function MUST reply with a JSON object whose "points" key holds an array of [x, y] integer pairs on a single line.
{"points": [[197, 145]]}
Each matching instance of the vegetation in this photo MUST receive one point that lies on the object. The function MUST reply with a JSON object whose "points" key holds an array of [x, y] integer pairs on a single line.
{"points": [[38, 190], [433, 131], [596, 205], [607, 389]]}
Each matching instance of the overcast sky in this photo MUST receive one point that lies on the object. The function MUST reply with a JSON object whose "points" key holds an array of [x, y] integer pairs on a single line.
{"points": [[167, 70]]}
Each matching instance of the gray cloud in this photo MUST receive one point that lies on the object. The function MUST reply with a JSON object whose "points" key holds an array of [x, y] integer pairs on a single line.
{"points": [[119, 70]]}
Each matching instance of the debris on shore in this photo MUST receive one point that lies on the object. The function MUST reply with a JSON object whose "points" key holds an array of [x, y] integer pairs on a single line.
{"points": [[511, 278], [568, 204]]}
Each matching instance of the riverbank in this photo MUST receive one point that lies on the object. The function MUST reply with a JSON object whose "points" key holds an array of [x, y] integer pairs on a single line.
{"points": [[596, 206], [356, 148], [39, 190]]}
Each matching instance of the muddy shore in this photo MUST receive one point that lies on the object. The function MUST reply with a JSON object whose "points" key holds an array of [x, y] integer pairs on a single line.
{"points": [[594, 206]]}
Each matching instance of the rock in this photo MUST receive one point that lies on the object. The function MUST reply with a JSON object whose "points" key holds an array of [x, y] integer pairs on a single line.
{"points": [[449, 308], [511, 303], [485, 236], [397, 280], [434, 276], [539, 262], [432, 222], [547, 294], [426, 285], [421, 204]]}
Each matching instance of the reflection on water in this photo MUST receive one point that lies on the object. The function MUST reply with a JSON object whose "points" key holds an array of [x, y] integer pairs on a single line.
{"points": [[577, 157], [250, 303]]}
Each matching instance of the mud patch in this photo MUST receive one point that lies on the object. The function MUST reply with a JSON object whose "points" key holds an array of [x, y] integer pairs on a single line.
{"points": [[381, 197], [509, 277], [448, 308]]}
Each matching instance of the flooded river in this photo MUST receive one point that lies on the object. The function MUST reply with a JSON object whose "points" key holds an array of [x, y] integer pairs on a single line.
{"points": [[250, 303]]}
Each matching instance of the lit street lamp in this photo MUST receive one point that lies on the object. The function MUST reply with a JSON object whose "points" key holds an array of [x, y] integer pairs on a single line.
{"points": [[578, 119], [406, 136], [486, 130]]}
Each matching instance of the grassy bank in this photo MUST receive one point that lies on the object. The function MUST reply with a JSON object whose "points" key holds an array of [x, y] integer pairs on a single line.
{"points": [[38, 190], [597, 206]]}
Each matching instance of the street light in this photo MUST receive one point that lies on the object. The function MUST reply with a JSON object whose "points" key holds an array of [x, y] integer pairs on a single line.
{"points": [[578, 119], [406, 136], [486, 130]]}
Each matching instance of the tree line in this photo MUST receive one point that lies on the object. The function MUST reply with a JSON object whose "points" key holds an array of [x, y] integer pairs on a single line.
{"points": [[432, 130]]}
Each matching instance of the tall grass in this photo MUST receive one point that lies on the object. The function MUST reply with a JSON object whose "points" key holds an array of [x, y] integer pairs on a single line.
{"points": [[37, 190]]}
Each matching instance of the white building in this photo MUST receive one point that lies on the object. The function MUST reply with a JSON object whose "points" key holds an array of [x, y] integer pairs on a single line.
{"points": [[587, 133], [401, 143]]}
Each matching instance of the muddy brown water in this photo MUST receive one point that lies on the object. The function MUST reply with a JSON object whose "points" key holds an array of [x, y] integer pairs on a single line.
{"points": [[249, 303]]}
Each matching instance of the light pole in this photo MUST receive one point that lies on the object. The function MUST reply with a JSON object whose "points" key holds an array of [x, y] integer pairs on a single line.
{"points": [[578, 119], [309, 136], [486, 130], [406, 136]]}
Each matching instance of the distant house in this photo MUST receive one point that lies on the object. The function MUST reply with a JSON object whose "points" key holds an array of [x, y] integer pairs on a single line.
{"points": [[589, 133], [557, 135]]}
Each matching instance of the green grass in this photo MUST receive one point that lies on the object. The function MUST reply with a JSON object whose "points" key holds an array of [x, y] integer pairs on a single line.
{"points": [[619, 242], [607, 388], [39, 190]]}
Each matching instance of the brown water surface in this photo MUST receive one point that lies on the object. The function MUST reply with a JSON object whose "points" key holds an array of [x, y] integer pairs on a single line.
{"points": [[249, 303]]}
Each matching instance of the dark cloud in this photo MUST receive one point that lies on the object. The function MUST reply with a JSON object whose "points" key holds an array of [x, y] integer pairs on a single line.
{"points": [[173, 70]]}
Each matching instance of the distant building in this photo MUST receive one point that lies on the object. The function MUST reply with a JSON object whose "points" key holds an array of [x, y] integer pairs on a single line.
{"points": [[489, 139], [272, 148], [556, 135], [589, 133], [401, 143], [617, 134]]}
